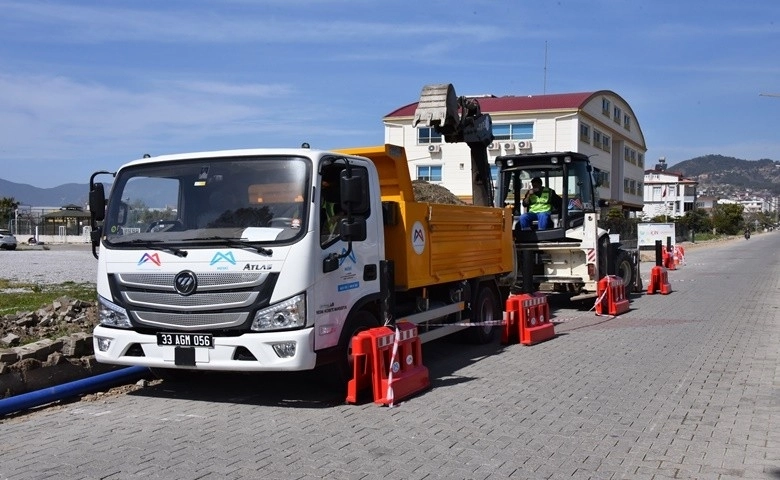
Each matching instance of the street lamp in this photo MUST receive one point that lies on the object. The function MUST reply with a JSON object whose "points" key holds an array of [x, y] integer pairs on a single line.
{"points": [[693, 230]]}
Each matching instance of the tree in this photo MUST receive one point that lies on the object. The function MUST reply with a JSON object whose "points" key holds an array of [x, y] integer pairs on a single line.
{"points": [[727, 218], [615, 221], [8, 206], [697, 221]]}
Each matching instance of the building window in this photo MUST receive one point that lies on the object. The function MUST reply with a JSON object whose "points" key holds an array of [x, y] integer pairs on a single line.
{"points": [[429, 173], [605, 178], [630, 155], [656, 192], [640, 159], [617, 114], [639, 188], [605, 106], [626, 122], [606, 143], [626, 153], [585, 132], [625, 185], [426, 135], [513, 131], [596, 138], [632, 187]]}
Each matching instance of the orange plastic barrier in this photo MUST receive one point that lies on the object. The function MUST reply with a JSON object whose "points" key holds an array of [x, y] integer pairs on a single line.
{"points": [[668, 259], [659, 281], [527, 318], [612, 296], [679, 256], [390, 361]]}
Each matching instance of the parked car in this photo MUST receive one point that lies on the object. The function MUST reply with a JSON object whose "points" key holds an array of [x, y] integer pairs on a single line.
{"points": [[7, 240]]}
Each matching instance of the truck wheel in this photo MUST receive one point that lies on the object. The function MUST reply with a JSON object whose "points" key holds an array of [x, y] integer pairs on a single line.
{"points": [[624, 266], [484, 308], [340, 372]]}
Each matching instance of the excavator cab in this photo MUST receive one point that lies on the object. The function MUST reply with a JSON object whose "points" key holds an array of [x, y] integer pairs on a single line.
{"points": [[567, 174]]}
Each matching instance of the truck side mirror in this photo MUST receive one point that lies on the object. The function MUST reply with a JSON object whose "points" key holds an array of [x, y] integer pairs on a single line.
{"points": [[97, 202], [353, 229], [354, 191]]}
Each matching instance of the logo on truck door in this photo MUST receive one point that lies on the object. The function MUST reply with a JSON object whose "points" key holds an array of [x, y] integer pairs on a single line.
{"points": [[418, 238]]}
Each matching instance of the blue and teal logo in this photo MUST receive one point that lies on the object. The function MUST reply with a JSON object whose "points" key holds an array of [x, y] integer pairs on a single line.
{"points": [[223, 257]]}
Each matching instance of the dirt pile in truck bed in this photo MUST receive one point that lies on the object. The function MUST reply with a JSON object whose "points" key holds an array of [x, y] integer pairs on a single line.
{"points": [[432, 193]]}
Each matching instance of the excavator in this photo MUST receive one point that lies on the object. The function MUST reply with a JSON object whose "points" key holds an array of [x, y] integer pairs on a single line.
{"points": [[573, 254]]}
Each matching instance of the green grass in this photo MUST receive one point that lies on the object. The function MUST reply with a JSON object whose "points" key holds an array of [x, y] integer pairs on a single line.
{"points": [[25, 297], [701, 237]]}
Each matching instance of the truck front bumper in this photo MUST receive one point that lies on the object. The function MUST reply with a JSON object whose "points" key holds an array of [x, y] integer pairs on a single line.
{"points": [[127, 347]]}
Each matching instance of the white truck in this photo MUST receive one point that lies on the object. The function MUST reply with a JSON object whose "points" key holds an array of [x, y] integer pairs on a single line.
{"points": [[227, 260]]}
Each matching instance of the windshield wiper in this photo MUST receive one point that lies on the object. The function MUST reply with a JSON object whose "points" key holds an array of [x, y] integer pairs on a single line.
{"points": [[155, 245], [236, 242]]}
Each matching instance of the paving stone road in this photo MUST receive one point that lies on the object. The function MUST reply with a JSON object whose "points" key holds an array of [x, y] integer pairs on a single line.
{"points": [[685, 385]]}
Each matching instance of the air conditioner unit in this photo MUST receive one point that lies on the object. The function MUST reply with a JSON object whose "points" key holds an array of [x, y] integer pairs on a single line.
{"points": [[494, 146], [509, 146], [434, 148], [524, 144]]}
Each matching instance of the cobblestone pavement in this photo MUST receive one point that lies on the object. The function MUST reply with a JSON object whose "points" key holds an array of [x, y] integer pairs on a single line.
{"points": [[685, 385]]}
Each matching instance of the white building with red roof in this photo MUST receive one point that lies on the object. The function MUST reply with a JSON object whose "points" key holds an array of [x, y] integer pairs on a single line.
{"points": [[599, 124]]}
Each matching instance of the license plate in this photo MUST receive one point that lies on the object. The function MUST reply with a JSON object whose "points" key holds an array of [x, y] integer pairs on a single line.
{"points": [[205, 340]]}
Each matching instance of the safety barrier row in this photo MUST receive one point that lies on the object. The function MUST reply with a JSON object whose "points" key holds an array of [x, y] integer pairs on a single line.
{"points": [[390, 362], [611, 294], [673, 257], [527, 319]]}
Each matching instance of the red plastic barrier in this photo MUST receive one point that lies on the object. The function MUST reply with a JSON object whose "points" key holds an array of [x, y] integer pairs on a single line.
{"points": [[388, 361], [679, 256], [527, 318], [659, 281], [612, 296], [668, 259]]}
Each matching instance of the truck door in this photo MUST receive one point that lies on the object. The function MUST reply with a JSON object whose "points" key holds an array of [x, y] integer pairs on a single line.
{"points": [[356, 277]]}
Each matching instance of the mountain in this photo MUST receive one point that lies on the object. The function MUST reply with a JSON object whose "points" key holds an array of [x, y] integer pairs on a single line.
{"points": [[732, 176], [717, 175], [69, 193]]}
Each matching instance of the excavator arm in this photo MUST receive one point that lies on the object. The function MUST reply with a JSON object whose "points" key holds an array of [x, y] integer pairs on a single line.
{"points": [[459, 119]]}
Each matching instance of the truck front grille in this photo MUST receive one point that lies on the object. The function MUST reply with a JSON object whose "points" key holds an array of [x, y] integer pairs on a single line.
{"points": [[222, 300]]}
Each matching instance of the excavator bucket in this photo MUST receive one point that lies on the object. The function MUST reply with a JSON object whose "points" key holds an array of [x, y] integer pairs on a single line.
{"points": [[438, 108]]}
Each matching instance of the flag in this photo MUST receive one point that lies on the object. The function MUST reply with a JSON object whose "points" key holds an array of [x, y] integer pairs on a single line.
{"points": [[664, 194], [575, 204]]}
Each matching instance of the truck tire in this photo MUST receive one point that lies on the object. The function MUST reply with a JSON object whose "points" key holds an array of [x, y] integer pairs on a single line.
{"points": [[624, 267], [485, 307], [340, 372]]}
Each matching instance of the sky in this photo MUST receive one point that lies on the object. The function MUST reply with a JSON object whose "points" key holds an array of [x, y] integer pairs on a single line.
{"points": [[87, 86]]}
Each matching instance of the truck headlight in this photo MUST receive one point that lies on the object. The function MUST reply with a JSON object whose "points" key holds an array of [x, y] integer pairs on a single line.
{"points": [[290, 313], [112, 315]]}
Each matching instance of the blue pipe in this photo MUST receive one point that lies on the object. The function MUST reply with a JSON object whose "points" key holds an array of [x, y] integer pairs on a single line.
{"points": [[70, 389]]}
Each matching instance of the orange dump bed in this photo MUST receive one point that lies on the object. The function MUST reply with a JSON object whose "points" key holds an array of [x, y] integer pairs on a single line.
{"points": [[435, 243]]}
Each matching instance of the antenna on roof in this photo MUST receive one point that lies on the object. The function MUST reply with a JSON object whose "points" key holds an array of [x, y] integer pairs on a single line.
{"points": [[544, 86]]}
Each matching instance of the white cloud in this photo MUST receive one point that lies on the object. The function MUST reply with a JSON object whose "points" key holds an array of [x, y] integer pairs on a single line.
{"points": [[102, 22]]}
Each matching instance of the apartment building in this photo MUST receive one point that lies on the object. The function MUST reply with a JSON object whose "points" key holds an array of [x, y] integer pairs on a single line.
{"points": [[600, 124]]}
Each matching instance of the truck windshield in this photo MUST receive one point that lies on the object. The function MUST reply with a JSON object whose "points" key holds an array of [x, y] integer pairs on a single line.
{"points": [[239, 199]]}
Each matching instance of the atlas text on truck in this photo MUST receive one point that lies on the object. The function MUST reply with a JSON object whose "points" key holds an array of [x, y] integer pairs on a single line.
{"points": [[273, 259]]}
